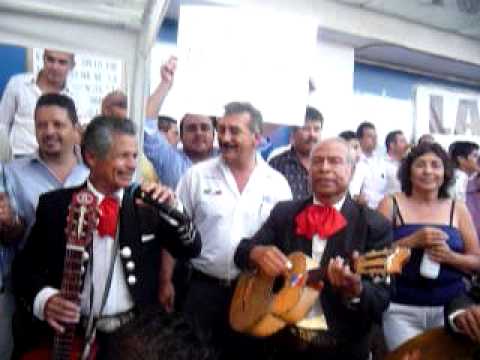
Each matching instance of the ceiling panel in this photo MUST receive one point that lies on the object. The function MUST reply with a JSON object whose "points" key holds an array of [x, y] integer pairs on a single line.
{"points": [[459, 16], [396, 57]]}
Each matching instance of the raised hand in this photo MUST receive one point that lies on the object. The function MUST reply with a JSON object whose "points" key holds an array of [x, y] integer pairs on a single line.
{"points": [[167, 71]]}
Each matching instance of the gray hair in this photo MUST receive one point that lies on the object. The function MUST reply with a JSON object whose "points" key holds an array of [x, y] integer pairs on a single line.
{"points": [[350, 157], [256, 120], [98, 136]]}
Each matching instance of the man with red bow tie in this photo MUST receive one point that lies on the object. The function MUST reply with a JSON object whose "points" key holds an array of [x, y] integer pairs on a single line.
{"points": [[329, 227], [121, 263]]}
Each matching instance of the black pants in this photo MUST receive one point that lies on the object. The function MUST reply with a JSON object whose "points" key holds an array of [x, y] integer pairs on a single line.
{"points": [[207, 305]]}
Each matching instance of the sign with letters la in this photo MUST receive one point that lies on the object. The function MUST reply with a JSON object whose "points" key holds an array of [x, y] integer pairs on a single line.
{"points": [[448, 114]]}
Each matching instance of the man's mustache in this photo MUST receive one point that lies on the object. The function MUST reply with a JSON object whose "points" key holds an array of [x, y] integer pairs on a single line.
{"points": [[226, 146], [311, 140]]}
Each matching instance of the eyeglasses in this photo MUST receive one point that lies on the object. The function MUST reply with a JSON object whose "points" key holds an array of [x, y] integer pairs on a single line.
{"points": [[120, 104], [191, 128]]}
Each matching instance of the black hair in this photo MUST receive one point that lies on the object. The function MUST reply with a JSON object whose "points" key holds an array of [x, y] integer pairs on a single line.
{"points": [[461, 149], [392, 138], [62, 101], [404, 173], [166, 122], [348, 135], [312, 114], [364, 126], [212, 119]]}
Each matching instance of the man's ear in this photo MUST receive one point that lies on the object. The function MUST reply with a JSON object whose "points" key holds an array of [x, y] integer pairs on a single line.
{"points": [[78, 134], [461, 160], [89, 158], [72, 62], [258, 139]]}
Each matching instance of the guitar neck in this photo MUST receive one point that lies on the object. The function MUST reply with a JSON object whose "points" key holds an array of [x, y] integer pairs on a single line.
{"points": [[70, 290], [374, 263]]}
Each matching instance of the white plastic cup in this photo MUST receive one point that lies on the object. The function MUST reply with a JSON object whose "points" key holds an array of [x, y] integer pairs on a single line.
{"points": [[428, 268]]}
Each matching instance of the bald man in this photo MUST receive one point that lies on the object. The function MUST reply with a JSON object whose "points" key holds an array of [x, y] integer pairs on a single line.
{"points": [[115, 104], [350, 303]]}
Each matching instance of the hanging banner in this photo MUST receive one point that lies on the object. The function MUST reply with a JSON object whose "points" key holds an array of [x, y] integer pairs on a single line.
{"points": [[448, 114]]}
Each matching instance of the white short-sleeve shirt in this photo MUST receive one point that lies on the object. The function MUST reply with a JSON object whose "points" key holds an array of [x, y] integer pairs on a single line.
{"points": [[223, 215]]}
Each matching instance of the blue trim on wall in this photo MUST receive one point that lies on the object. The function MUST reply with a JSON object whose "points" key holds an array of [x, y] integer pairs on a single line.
{"points": [[392, 83], [168, 31], [14, 61]]}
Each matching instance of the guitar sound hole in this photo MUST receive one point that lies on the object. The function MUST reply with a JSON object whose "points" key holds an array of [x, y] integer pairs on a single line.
{"points": [[278, 284]]}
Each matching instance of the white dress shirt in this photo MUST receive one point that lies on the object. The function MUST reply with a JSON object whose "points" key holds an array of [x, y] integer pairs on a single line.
{"points": [[223, 215], [119, 298], [391, 171], [369, 179], [17, 108], [459, 188]]}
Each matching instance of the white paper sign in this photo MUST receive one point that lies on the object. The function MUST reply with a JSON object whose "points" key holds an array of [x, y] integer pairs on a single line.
{"points": [[237, 54], [93, 77]]}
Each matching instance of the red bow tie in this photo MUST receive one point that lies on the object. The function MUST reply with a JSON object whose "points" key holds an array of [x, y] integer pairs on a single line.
{"points": [[107, 222], [318, 219]]}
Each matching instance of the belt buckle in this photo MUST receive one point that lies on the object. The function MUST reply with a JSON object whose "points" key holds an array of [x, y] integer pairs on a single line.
{"points": [[109, 324]]}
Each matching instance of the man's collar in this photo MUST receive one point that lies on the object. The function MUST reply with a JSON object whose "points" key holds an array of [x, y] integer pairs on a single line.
{"points": [[366, 157], [338, 205], [257, 159], [34, 81], [392, 158], [76, 151], [118, 194]]}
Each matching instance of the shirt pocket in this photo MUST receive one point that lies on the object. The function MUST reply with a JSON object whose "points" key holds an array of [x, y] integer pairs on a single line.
{"points": [[213, 204]]}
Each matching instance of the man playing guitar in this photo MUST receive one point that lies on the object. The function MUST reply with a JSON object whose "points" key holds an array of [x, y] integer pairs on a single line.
{"points": [[329, 227], [121, 263]]}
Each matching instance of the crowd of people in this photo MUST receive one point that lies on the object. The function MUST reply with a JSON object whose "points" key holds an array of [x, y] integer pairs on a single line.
{"points": [[160, 268]]}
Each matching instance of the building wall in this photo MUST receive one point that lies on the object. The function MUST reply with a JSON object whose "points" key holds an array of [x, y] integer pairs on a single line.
{"points": [[382, 96], [13, 62], [386, 97]]}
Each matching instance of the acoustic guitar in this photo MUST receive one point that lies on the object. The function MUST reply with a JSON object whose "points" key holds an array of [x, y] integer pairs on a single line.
{"points": [[262, 305], [438, 344], [81, 221]]}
